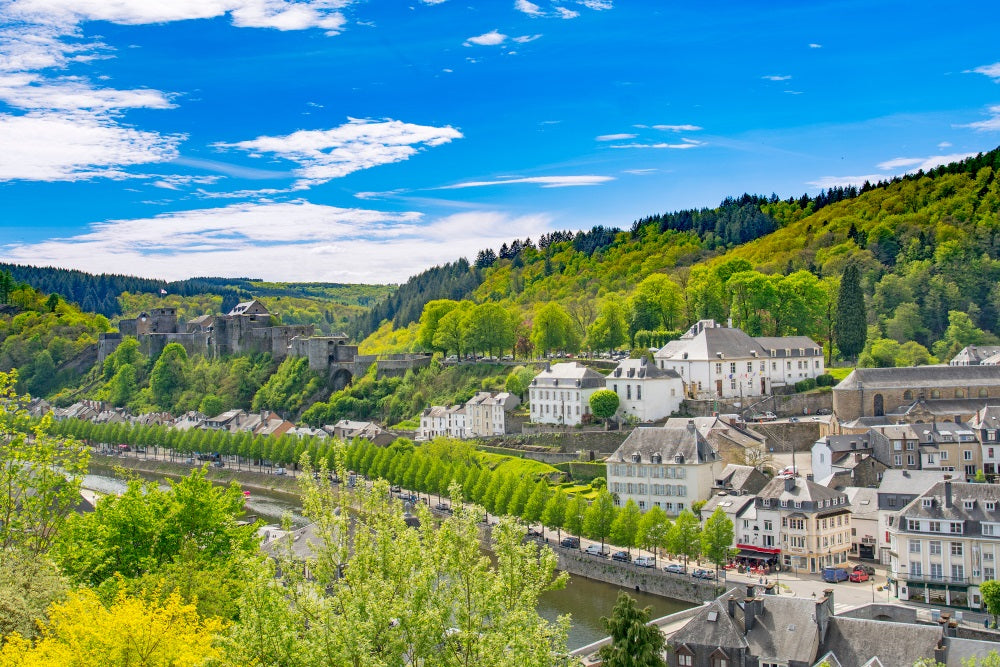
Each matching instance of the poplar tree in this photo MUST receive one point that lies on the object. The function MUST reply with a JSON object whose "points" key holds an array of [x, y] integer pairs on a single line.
{"points": [[851, 323], [634, 643]]}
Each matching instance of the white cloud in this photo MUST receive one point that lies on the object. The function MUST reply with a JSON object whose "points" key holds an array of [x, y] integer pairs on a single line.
{"points": [[30, 91], [815, 46], [688, 143], [676, 128], [565, 13], [826, 182], [433, 2], [279, 241], [991, 124], [49, 146], [992, 71], [177, 181], [777, 77], [544, 181], [529, 8], [323, 155], [944, 144], [491, 38], [615, 137], [640, 172], [792, 92], [597, 5], [524, 39], [914, 164]]}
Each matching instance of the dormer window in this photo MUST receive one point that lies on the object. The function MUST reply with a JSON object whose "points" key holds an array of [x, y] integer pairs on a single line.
{"points": [[927, 502], [636, 458], [657, 458], [990, 505], [969, 504]]}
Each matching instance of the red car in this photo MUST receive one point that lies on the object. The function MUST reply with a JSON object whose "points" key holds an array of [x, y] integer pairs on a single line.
{"points": [[858, 576]]}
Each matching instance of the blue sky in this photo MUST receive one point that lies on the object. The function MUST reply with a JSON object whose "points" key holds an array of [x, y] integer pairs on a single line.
{"points": [[333, 140]]}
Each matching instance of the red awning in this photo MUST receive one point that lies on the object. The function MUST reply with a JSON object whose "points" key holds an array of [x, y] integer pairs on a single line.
{"points": [[754, 547]]}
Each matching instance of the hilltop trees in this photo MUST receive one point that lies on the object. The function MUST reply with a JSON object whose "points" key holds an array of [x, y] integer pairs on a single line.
{"points": [[554, 329]]}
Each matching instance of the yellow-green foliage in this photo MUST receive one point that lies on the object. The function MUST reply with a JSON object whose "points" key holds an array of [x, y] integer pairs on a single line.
{"points": [[387, 340], [188, 307], [514, 465]]}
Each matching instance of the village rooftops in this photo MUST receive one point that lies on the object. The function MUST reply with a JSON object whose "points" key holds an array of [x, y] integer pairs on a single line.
{"points": [[569, 375], [713, 343], [668, 445], [254, 307], [741, 479], [956, 501], [639, 369], [974, 355], [909, 482], [802, 494], [789, 346]]}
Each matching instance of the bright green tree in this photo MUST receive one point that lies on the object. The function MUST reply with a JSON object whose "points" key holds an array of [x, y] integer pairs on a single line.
{"points": [[625, 527], [599, 517], [990, 590], [653, 530], [166, 380], [489, 328], [536, 503], [609, 331], [554, 329], [604, 403], [684, 538], [429, 320], [717, 538], [573, 516], [554, 513]]}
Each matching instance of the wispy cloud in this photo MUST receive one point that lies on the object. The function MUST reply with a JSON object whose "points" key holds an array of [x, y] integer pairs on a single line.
{"points": [[814, 45], [178, 181], [524, 39], [688, 143], [565, 13], [944, 144], [992, 71], [491, 38], [281, 241], [792, 92], [676, 128], [57, 146], [894, 167], [529, 8], [598, 5], [826, 182], [615, 137], [777, 77], [323, 155], [25, 90], [543, 181], [640, 172], [991, 124]]}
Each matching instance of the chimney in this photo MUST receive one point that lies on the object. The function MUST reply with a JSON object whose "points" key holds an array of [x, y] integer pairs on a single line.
{"points": [[828, 594], [731, 606], [749, 613], [940, 652], [751, 590], [951, 629], [691, 426], [789, 483], [809, 477], [947, 493]]}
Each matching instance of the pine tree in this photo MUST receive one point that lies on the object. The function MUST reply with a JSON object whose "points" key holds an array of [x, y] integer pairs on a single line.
{"points": [[852, 328], [633, 642]]}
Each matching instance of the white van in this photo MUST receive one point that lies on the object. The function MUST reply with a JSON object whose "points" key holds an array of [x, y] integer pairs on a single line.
{"points": [[598, 550]]}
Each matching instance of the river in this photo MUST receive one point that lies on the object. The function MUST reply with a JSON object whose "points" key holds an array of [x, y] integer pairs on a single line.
{"points": [[585, 600]]}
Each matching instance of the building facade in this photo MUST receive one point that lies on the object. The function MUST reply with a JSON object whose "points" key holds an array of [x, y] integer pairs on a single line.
{"points": [[645, 392], [561, 393], [486, 413]]}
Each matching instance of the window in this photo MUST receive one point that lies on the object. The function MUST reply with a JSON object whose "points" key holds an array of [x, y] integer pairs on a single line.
{"points": [[720, 662], [969, 504], [934, 547], [930, 458], [927, 502], [989, 573], [684, 660], [909, 459], [768, 526], [957, 572], [909, 445], [638, 392], [935, 393], [915, 569], [912, 524], [732, 367], [956, 549], [897, 445], [718, 369], [937, 572], [944, 455], [914, 546], [991, 505], [983, 393], [628, 392], [966, 454], [934, 526], [897, 459], [956, 527]]}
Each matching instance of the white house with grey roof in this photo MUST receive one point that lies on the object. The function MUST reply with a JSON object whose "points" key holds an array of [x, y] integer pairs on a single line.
{"points": [[716, 361], [560, 394], [645, 391], [668, 467], [945, 543], [976, 355], [986, 425]]}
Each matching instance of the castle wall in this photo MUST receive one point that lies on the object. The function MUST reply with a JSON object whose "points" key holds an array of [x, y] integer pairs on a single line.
{"points": [[106, 344]]}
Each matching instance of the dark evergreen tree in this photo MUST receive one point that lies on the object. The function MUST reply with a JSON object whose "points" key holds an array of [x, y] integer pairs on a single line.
{"points": [[633, 642], [852, 327]]}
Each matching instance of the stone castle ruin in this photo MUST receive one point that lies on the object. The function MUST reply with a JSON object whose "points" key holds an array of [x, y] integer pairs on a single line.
{"points": [[248, 328]]}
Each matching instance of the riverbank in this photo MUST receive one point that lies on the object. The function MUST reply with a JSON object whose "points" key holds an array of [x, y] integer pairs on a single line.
{"points": [[654, 582]]}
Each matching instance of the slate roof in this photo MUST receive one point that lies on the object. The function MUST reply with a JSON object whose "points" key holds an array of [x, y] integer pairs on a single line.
{"points": [[791, 343], [804, 490], [668, 443], [960, 492], [987, 417], [873, 379], [701, 631], [242, 308], [712, 342], [855, 641], [745, 479], [730, 504], [786, 629], [946, 407], [974, 355], [642, 369], [864, 502], [909, 482], [849, 443], [716, 429], [569, 375]]}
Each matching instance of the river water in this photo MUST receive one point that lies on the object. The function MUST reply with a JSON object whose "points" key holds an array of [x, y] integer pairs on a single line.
{"points": [[585, 600]]}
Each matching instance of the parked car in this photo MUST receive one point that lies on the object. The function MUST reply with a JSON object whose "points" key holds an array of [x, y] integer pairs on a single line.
{"points": [[570, 542], [703, 574], [824, 411], [598, 550], [280, 471], [867, 569], [676, 568], [834, 575], [621, 556], [645, 561], [858, 576], [394, 489], [219, 464], [442, 507], [534, 532]]}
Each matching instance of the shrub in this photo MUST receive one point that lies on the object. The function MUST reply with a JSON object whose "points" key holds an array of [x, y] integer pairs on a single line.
{"points": [[805, 385], [825, 380]]}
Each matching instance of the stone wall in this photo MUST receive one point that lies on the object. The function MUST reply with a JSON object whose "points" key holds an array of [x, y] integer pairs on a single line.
{"points": [[648, 580], [571, 441], [787, 405], [782, 437]]}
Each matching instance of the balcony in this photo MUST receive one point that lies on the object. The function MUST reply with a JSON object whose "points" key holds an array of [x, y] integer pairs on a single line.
{"points": [[931, 579]]}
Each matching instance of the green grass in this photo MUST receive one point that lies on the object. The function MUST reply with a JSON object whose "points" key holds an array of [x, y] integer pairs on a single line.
{"points": [[515, 465], [840, 373]]}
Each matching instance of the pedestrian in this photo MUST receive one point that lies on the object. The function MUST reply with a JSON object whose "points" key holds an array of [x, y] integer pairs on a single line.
{"points": [[761, 580]]}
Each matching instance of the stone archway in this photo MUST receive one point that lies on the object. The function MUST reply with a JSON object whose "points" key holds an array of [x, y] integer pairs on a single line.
{"points": [[878, 406], [340, 379]]}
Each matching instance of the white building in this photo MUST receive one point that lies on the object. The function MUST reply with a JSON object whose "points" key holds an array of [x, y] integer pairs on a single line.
{"points": [[440, 421], [644, 390], [945, 544], [897, 490], [669, 467], [864, 521], [560, 394], [722, 362], [485, 413]]}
